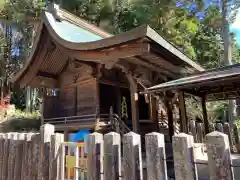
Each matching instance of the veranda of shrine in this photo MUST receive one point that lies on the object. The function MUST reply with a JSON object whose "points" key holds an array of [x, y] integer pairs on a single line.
{"points": [[86, 73]]}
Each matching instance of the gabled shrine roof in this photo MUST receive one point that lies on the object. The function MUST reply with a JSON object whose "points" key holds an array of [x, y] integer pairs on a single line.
{"points": [[216, 84], [70, 32], [62, 36]]}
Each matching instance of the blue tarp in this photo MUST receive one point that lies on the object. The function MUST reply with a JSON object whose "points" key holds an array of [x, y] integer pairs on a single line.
{"points": [[78, 136], [81, 135]]}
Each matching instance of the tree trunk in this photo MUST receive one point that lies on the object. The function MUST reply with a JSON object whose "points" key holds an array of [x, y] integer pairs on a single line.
{"points": [[28, 99], [29, 92], [227, 56]]}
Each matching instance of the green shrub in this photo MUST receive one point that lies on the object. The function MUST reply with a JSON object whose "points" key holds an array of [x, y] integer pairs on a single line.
{"points": [[238, 123], [21, 121]]}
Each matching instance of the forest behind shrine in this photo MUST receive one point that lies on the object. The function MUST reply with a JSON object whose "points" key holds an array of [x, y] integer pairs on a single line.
{"points": [[195, 27]]}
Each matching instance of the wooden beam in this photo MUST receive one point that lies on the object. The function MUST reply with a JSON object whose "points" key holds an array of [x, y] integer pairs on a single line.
{"points": [[40, 81], [112, 83], [161, 68], [110, 54], [205, 117], [183, 114], [161, 71], [84, 67], [47, 75], [167, 63]]}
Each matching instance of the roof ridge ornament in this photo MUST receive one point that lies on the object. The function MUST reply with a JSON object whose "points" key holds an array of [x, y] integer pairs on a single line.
{"points": [[54, 10]]}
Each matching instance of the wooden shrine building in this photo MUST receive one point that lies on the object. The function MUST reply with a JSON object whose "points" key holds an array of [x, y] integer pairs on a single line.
{"points": [[85, 71], [212, 85]]}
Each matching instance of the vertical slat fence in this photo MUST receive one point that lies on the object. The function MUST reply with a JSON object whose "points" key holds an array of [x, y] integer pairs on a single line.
{"points": [[196, 129], [22, 152]]}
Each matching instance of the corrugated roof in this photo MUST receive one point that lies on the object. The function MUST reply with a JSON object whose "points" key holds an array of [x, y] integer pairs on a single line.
{"points": [[206, 76]]}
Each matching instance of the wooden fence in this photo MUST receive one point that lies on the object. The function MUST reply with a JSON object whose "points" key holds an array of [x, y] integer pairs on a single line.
{"points": [[198, 132], [42, 156], [105, 162]]}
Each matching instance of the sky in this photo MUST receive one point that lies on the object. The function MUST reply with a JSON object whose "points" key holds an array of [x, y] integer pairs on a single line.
{"points": [[235, 27]]}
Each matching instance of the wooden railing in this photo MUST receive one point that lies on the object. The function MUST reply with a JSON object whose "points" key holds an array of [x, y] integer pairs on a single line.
{"points": [[117, 124], [83, 119], [176, 127]]}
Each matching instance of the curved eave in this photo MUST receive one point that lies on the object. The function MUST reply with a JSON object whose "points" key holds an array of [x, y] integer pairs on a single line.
{"points": [[143, 31], [136, 33]]}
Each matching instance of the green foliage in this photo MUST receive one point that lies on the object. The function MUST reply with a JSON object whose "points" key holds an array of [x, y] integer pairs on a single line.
{"points": [[18, 98], [238, 123], [201, 40], [216, 111], [21, 121]]}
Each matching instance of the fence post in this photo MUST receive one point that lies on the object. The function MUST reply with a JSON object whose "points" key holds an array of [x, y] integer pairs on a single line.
{"points": [[19, 156], [227, 131], [6, 156], [29, 156], [2, 141], [54, 159], [112, 156], [26, 156], [155, 151], [219, 157], [184, 160], [76, 170], [95, 156], [219, 127], [12, 155], [33, 149], [62, 161], [192, 130], [236, 137], [211, 127], [111, 115], [132, 157], [200, 132], [46, 131]]}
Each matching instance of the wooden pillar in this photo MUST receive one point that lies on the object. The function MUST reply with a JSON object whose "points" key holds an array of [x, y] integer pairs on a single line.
{"points": [[97, 99], [153, 108], [134, 103], [183, 113], [65, 135], [205, 118], [41, 102], [118, 95], [170, 115], [153, 111]]}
